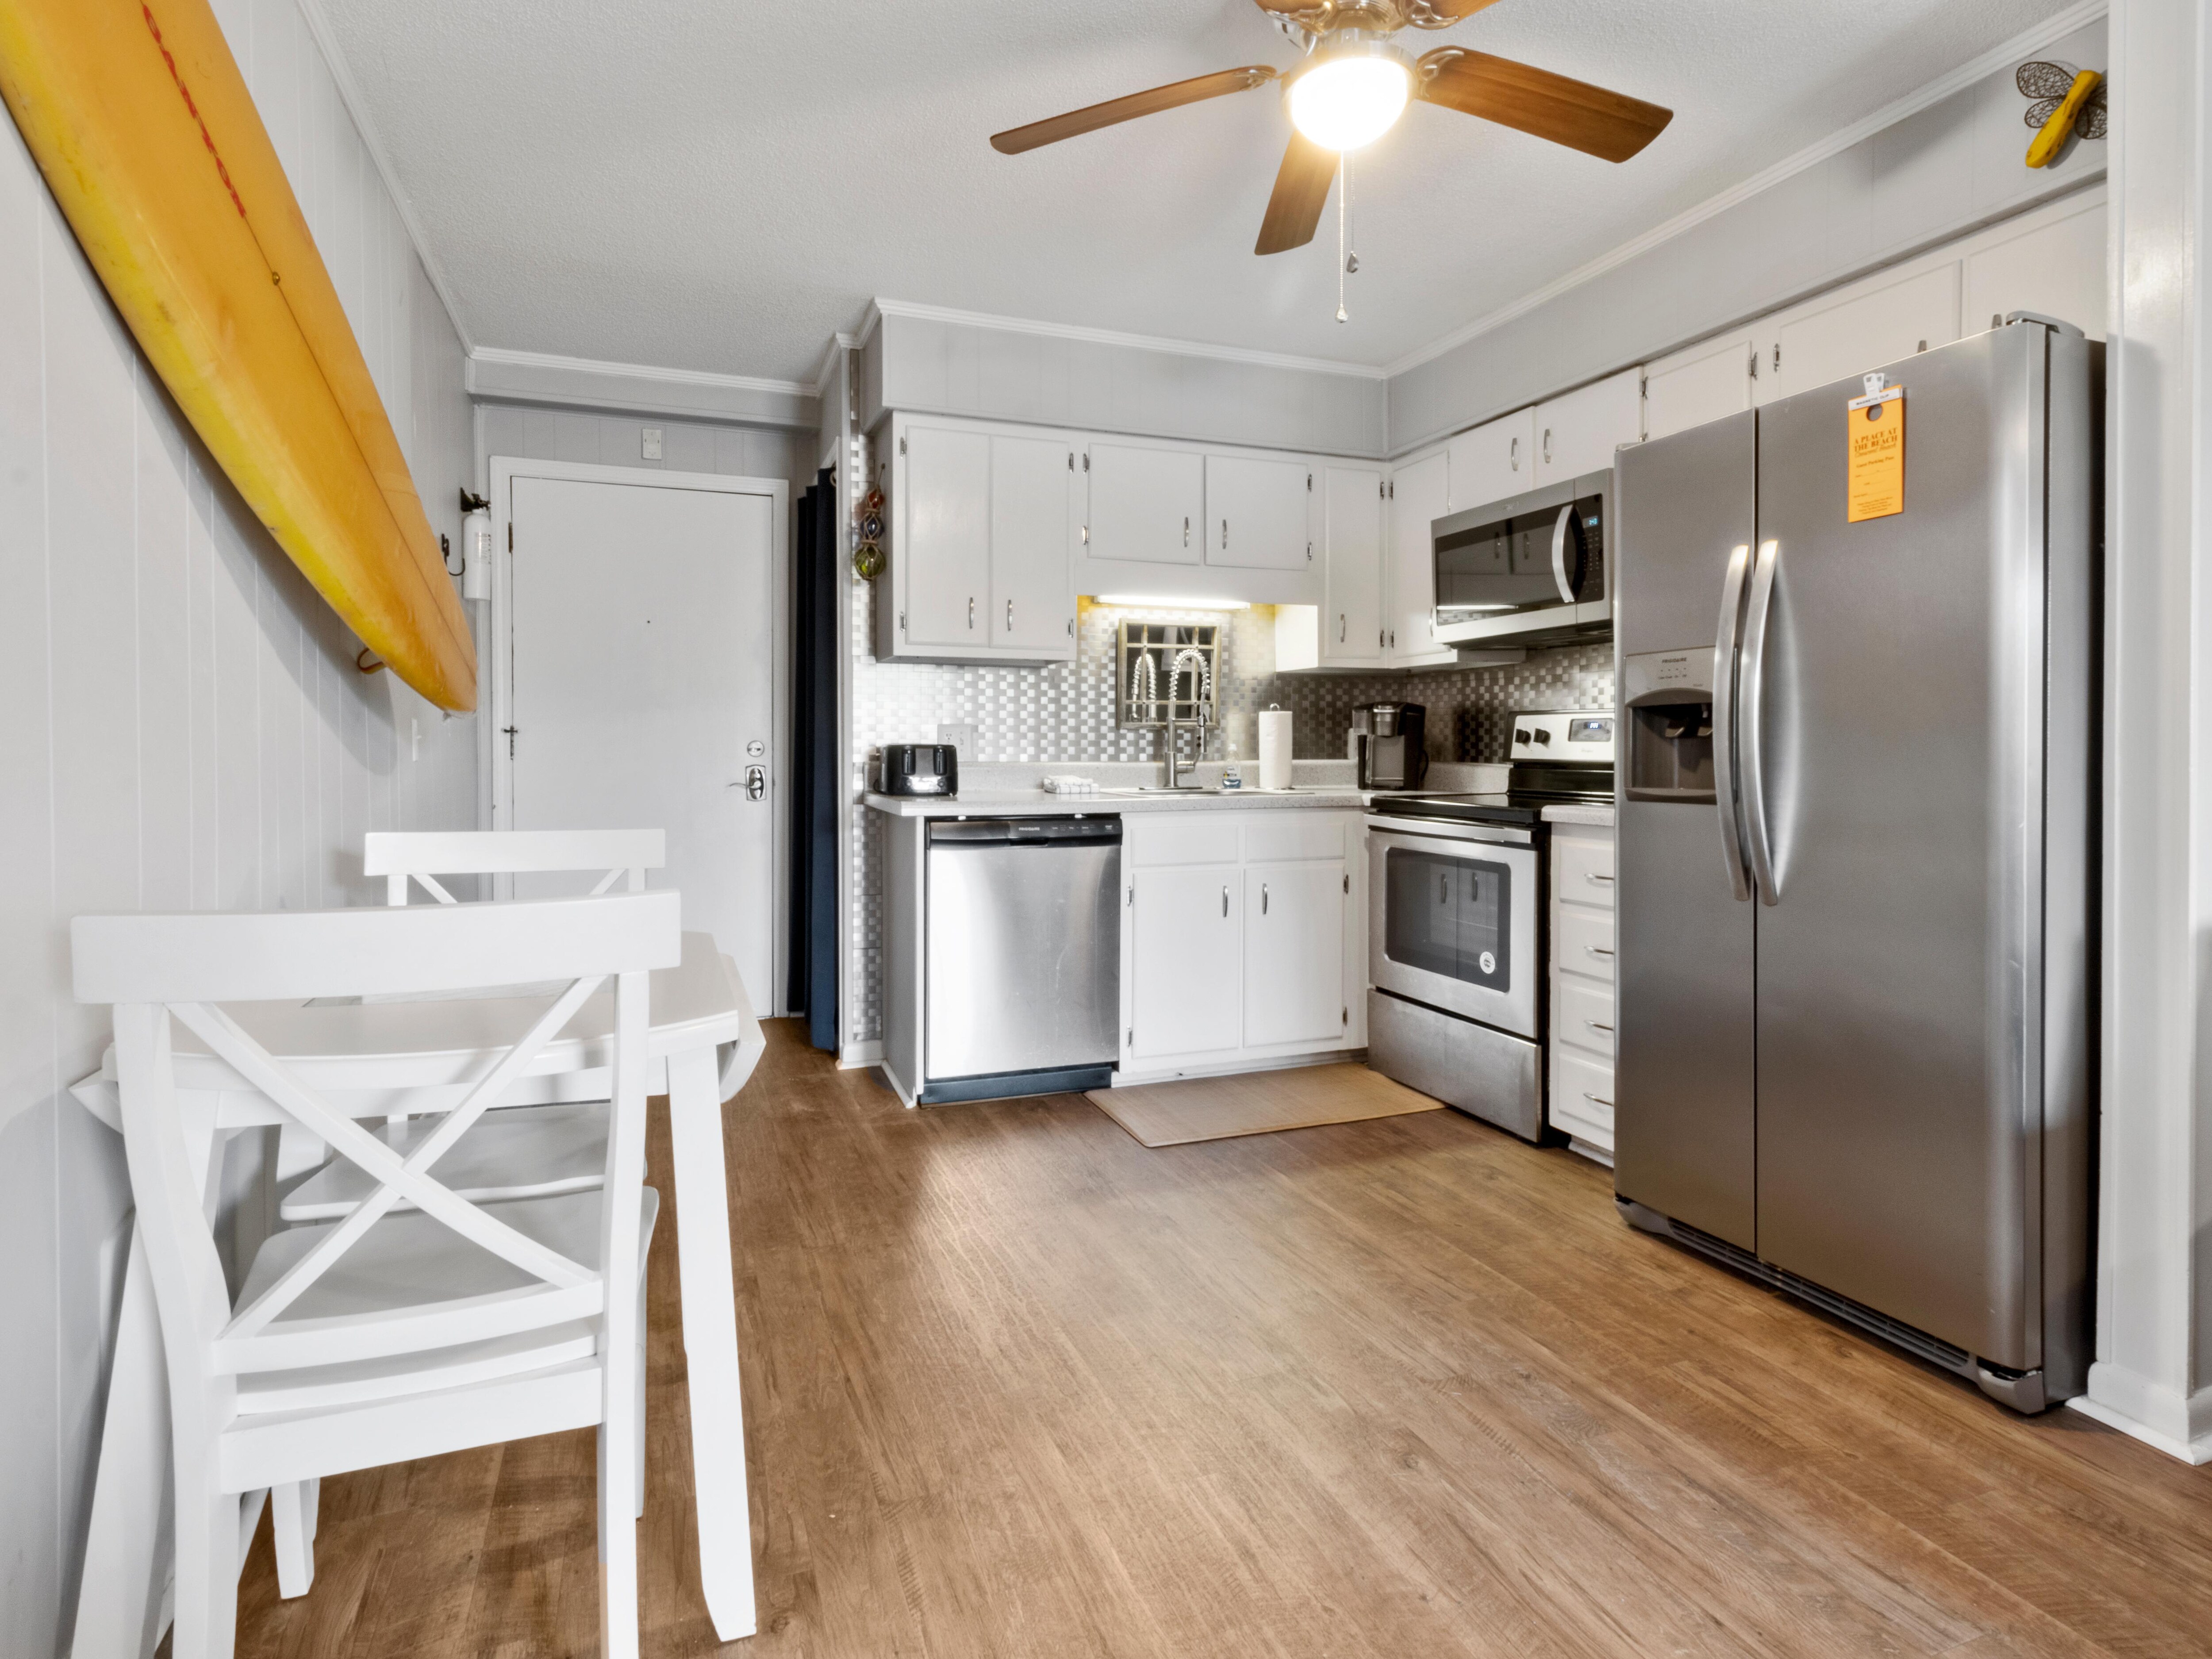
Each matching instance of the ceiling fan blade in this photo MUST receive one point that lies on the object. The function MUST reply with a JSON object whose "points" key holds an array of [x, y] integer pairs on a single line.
{"points": [[1301, 192], [1608, 124], [1053, 128]]}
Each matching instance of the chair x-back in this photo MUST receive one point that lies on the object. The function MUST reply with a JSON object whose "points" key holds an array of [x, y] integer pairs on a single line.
{"points": [[419, 1322]]}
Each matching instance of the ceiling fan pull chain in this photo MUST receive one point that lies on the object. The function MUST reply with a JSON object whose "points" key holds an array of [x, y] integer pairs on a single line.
{"points": [[1343, 234]]}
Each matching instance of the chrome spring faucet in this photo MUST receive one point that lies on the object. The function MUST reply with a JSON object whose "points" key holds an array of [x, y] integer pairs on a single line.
{"points": [[1201, 703]]}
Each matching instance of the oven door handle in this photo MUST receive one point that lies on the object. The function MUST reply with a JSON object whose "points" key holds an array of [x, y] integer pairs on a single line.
{"points": [[1559, 554], [1724, 721]]}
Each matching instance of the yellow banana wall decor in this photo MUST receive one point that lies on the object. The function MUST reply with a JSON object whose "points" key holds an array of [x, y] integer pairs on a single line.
{"points": [[136, 113], [2061, 103]]}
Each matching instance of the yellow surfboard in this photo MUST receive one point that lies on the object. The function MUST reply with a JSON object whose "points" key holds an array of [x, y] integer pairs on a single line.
{"points": [[139, 117]]}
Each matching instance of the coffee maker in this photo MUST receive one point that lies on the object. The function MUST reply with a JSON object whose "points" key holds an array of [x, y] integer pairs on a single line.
{"points": [[1391, 739]]}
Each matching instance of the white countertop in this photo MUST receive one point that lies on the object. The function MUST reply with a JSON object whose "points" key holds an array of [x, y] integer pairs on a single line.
{"points": [[1039, 803]]}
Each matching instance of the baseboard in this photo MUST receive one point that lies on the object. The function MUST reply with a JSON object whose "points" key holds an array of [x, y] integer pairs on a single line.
{"points": [[2180, 1426], [1128, 1079], [853, 1055]]}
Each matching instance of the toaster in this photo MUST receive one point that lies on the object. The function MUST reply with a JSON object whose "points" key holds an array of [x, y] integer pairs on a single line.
{"points": [[919, 768]]}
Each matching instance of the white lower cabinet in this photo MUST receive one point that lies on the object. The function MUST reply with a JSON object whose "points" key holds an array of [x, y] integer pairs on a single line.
{"points": [[1294, 989], [1580, 1092], [1186, 960], [1243, 938]]}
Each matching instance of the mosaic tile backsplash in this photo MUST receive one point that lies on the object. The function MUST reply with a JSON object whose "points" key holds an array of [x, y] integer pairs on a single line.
{"points": [[1065, 713]]}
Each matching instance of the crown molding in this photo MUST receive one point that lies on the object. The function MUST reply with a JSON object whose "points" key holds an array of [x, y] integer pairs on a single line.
{"points": [[545, 377], [880, 308], [840, 342], [2056, 27], [372, 140]]}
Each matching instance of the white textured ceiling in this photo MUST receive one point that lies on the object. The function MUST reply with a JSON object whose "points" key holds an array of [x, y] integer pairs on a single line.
{"points": [[719, 185]]}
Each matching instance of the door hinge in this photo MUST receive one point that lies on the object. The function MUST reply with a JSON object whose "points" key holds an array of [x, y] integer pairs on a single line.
{"points": [[1309, 483], [1309, 552], [1132, 895], [1071, 627], [902, 622], [1777, 356], [1754, 363], [1133, 1037], [1347, 882], [902, 446], [509, 732], [1344, 1016]]}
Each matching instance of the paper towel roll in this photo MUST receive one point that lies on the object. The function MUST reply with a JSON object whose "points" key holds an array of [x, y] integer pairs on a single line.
{"points": [[1274, 748]]}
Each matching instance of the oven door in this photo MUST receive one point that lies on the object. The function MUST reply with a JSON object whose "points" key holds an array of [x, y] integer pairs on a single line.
{"points": [[1452, 913]]}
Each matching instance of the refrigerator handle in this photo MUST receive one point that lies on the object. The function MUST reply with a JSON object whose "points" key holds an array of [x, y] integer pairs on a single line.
{"points": [[1559, 554], [1725, 647], [1750, 686]]}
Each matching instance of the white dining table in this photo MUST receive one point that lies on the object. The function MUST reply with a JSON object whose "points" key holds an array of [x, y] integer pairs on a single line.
{"points": [[375, 1058]]}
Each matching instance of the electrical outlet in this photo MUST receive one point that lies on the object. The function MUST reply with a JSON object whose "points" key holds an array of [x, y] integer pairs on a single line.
{"points": [[652, 445]]}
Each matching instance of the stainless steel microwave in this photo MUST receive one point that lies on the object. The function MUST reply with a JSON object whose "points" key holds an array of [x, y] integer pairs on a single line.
{"points": [[1531, 569]]}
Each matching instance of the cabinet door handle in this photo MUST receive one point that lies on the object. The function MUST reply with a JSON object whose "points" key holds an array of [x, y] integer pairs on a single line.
{"points": [[1600, 1099], [1010, 616], [1186, 530], [971, 613], [1263, 898], [1547, 445], [1598, 1026], [1339, 628], [1224, 903], [1597, 950], [1513, 455], [1224, 535], [1592, 875]]}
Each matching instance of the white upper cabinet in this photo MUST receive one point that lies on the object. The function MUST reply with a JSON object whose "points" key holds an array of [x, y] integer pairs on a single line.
{"points": [[982, 530], [1147, 503], [943, 539], [1256, 514], [2051, 265], [1352, 616], [1492, 461], [1859, 328], [1032, 572], [1578, 433], [1699, 383], [1420, 493]]}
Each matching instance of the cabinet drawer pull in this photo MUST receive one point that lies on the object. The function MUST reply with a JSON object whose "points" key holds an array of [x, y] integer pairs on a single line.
{"points": [[1600, 1099], [1598, 1026], [1592, 875], [1224, 902], [1597, 950]]}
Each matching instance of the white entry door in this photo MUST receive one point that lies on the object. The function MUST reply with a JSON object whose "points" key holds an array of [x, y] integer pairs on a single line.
{"points": [[643, 643]]}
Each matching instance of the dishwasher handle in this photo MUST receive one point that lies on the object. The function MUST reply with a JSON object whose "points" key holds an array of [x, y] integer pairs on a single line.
{"points": [[1026, 832]]}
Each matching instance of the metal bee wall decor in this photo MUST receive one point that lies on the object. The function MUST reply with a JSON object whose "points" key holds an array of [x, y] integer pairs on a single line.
{"points": [[2062, 102]]}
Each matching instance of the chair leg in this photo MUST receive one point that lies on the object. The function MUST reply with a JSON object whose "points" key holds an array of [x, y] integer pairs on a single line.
{"points": [[292, 1519], [207, 1560], [640, 1394], [617, 1543]]}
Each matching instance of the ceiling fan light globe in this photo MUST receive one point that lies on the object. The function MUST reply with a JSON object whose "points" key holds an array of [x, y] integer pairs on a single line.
{"points": [[1348, 102]]}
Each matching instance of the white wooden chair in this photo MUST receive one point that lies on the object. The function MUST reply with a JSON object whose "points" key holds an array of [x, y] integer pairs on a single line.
{"points": [[395, 1333], [423, 856]]}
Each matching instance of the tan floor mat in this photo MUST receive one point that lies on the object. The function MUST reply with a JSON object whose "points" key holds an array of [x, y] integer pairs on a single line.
{"points": [[1256, 1102]]}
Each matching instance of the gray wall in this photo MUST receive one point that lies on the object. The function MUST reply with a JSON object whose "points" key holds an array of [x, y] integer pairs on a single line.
{"points": [[1933, 176], [933, 365], [187, 730]]}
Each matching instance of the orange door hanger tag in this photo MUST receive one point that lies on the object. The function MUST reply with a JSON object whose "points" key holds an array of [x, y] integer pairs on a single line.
{"points": [[1876, 428]]}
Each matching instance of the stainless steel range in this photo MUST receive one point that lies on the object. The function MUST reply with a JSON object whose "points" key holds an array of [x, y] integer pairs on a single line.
{"points": [[1456, 951]]}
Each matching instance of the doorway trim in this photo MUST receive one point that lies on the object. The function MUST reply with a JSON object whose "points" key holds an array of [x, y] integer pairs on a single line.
{"points": [[495, 655]]}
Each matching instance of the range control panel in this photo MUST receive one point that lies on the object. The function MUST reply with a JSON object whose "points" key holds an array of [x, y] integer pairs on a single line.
{"points": [[1557, 735]]}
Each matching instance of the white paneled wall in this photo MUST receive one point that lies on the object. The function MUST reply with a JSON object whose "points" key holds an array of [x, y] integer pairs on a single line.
{"points": [[183, 728]]}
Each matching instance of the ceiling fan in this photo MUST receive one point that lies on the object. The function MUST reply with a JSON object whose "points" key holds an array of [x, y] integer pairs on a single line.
{"points": [[1353, 86]]}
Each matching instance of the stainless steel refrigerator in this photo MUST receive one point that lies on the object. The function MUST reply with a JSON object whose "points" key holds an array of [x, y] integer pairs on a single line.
{"points": [[1857, 852]]}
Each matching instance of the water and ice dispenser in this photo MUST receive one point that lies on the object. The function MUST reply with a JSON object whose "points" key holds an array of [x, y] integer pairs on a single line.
{"points": [[1667, 700]]}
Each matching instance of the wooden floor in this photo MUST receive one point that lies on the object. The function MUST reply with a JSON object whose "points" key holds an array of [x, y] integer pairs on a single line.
{"points": [[1017, 1386]]}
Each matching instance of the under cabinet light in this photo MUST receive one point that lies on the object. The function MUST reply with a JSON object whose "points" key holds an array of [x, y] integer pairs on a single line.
{"points": [[1158, 602]]}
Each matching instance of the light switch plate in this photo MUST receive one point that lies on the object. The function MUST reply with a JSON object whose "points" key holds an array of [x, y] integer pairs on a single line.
{"points": [[652, 445]]}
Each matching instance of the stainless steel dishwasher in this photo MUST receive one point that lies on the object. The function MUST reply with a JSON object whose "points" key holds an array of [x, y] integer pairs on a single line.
{"points": [[1022, 984]]}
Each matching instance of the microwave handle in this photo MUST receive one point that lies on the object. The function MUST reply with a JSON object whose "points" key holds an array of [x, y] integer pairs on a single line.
{"points": [[1559, 554]]}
